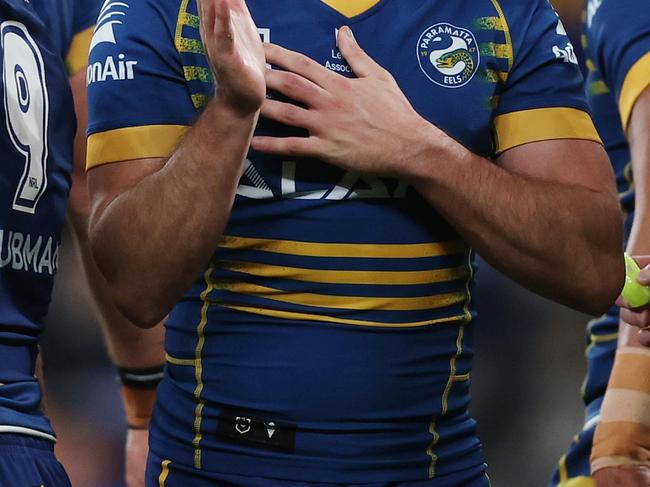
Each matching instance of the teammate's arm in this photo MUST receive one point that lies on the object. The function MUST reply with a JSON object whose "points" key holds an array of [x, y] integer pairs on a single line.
{"points": [[546, 214], [621, 453], [155, 223]]}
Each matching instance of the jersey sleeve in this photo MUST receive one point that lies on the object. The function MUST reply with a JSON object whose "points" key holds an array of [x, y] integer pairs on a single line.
{"points": [[83, 22], [139, 105], [619, 38], [543, 97]]}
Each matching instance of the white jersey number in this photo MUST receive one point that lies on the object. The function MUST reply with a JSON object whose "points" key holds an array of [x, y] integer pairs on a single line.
{"points": [[26, 110]]}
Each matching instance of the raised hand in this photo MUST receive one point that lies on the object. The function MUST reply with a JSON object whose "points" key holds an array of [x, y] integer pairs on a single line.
{"points": [[235, 52]]}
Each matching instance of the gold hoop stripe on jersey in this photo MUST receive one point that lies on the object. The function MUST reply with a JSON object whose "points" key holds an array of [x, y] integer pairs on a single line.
{"points": [[77, 57], [346, 250], [384, 278], [519, 128], [130, 143], [357, 303], [292, 315], [636, 81], [623, 435]]}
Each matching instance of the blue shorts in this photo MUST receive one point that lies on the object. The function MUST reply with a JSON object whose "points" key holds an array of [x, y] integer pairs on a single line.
{"points": [[162, 473], [574, 468], [29, 462]]}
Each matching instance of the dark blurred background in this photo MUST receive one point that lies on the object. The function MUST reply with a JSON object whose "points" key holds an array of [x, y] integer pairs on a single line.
{"points": [[527, 375]]}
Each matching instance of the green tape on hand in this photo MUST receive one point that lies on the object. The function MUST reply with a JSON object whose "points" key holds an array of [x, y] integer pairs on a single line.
{"points": [[636, 294]]}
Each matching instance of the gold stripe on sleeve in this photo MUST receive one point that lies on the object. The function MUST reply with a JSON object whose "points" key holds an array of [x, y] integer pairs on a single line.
{"points": [[131, 143], [519, 128], [77, 57], [636, 81]]}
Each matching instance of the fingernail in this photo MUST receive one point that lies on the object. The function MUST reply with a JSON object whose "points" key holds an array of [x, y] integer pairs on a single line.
{"points": [[349, 32]]}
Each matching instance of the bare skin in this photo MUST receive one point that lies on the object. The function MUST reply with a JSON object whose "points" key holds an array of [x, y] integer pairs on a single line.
{"points": [[127, 345], [634, 328], [540, 209], [160, 221]]}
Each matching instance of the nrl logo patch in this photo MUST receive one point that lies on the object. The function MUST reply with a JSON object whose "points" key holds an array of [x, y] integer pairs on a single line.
{"points": [[448, 55]]}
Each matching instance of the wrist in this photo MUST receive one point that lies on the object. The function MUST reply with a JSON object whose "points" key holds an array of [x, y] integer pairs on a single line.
{"points": [[233, 110], [429, 151], [138, 391]]}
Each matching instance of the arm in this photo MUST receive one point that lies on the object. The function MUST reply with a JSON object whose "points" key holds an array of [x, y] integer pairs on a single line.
{"points": [[621, 453], [542, 215], [159, 221], [128, 346]]}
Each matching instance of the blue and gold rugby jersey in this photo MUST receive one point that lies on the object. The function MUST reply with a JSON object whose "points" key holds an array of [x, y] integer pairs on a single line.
{"points": [[36, 136], [329, 337], [617, 46], [71, 24]]}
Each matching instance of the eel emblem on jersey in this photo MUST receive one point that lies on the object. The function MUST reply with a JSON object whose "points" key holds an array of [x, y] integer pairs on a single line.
{"points": [[448, 55]]}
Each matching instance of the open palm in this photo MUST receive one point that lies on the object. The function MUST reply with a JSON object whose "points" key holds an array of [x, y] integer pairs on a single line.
{"points": [[235, 52]]}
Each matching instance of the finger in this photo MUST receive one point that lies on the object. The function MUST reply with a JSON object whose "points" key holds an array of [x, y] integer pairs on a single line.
{"points": [[644, 337], [639, 319], [362, 64], [300, 64], [644, 276], [295, 87], [620, 302], [223, 24], [286, 146], [287, 113]]}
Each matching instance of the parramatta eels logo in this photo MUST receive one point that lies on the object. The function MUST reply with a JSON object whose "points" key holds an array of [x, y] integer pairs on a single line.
{"points": [[448, 55]]}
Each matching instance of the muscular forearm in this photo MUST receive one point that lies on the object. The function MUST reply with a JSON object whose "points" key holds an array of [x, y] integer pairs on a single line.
{"points": [[554, 238], [153, 239]]}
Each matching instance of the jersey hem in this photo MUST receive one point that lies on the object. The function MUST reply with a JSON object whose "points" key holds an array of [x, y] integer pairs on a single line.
{"points": [[27, 431]]}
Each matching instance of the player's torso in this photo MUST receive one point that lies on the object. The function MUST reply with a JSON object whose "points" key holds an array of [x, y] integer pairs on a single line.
{"points": [[339, 302], [36, 135]]}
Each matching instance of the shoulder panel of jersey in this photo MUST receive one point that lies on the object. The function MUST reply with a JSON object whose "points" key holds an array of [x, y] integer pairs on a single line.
{"points": [[619, 39], [139, 101], [543, 96], [70, 23]]}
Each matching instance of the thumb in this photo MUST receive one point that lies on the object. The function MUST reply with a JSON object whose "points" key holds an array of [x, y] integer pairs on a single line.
{"points": [[362, 64], [644, 276]]}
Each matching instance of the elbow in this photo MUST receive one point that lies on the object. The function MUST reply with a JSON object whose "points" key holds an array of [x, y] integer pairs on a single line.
{"points": [[139, 310], [133, 297]]}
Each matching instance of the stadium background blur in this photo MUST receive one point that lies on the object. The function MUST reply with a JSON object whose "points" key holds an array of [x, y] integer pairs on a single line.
{"points": [[527, 374]]}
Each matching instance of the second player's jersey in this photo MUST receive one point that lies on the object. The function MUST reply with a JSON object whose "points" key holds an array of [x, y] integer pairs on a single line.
{"points": [[71, 24], [617, 44], [36, 133], [329, 337], [616, 40]]}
